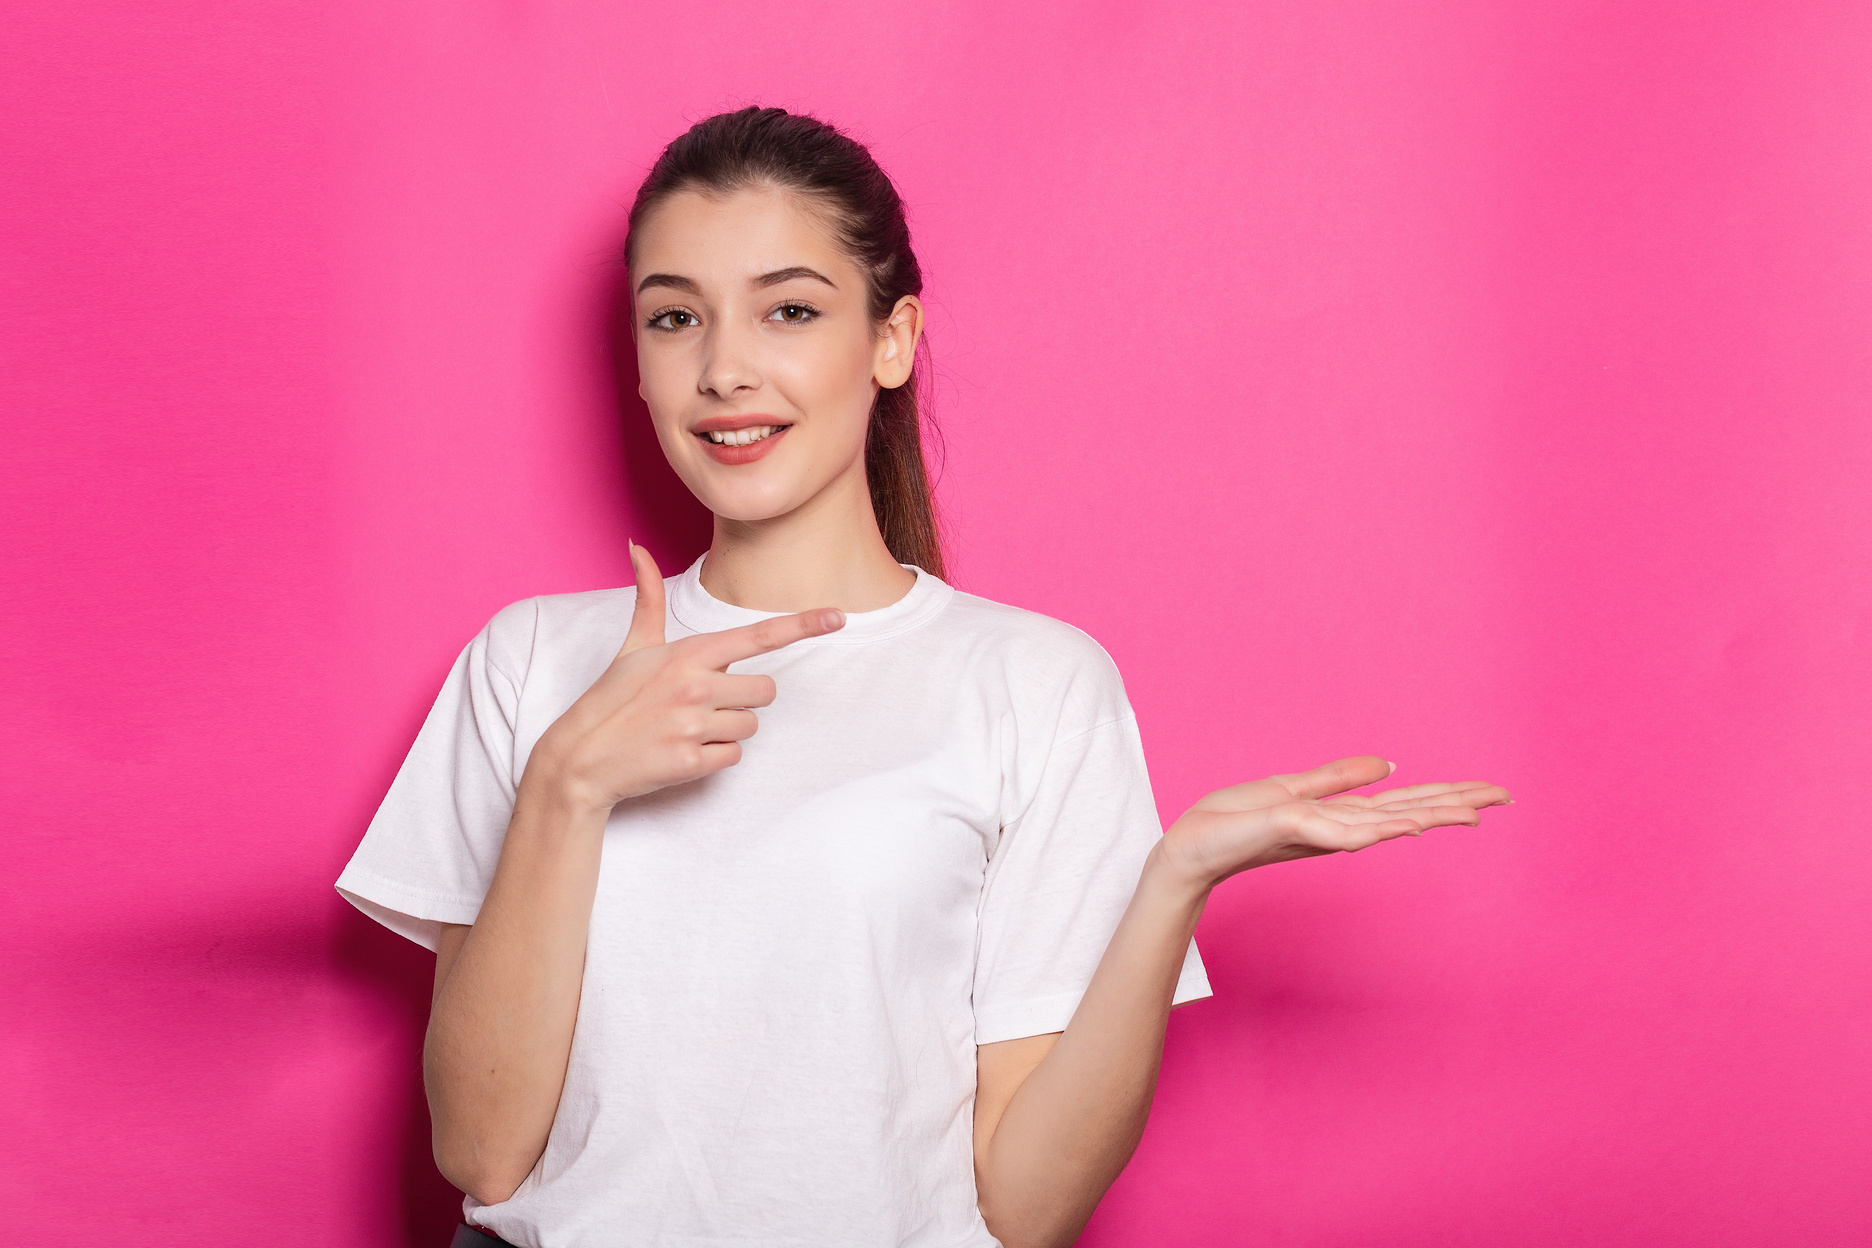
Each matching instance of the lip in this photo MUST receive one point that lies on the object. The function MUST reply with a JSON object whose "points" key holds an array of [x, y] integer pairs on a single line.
{"points": [[738, 454]]}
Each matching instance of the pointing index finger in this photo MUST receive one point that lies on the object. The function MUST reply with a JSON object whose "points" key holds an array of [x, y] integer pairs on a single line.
{"points": [[718, 650]]}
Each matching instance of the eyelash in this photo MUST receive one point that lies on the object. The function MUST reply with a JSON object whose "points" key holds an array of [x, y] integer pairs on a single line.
{"points": [[652, 323], [812, 314]]}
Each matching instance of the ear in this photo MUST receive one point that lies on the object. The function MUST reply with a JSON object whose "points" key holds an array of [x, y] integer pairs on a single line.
{"points": [[897, 344]]}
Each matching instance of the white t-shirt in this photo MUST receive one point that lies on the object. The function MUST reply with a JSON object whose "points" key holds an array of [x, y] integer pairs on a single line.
{"points": [[925, 848]]}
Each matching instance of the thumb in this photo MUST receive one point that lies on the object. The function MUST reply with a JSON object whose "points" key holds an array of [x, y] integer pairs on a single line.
{"points": [[646, 626]]}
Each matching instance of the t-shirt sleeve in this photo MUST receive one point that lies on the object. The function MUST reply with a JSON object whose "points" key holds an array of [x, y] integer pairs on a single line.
{"points": [[429, 853], [1059, 879]]}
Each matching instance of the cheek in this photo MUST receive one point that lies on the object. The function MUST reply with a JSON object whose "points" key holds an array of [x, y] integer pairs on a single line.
{"points": [[651, 370], [661, 383], [830, 380]]}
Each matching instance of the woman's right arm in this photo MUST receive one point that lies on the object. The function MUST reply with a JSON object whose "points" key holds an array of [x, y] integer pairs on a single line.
{"points": [[507, 987], [506, 995]]}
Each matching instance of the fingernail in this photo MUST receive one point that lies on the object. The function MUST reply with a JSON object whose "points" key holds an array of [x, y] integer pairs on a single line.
{"points": [[1391, 765], [831, 619]]}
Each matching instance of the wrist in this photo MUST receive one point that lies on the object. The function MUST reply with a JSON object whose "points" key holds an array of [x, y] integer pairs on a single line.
{"points": [[1169, 872], [551, 788]]}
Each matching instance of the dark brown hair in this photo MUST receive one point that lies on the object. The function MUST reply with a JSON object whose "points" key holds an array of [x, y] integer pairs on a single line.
{"points": [[770, 146]]}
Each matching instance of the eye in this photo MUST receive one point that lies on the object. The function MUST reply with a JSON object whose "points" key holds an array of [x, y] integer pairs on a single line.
{"points": [[672, 318], [794, 314]]}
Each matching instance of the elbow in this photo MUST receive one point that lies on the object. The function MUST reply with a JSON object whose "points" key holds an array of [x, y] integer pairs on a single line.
{"points": [[478, 1153], [488, 1181], [1029, 1237], [489, 1193], [1032, 1228], [1005, 1234]]}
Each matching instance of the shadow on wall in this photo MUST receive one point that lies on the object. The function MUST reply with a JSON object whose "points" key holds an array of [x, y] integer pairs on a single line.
{"points": [[402, 974]]}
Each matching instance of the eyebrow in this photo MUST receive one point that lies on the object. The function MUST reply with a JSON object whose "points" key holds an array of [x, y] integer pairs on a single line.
{"points": [[670, 280], [786, 275], [676, 282]]}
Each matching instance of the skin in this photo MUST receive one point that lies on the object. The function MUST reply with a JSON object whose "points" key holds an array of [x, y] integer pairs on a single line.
{"points": [[746, 306]]}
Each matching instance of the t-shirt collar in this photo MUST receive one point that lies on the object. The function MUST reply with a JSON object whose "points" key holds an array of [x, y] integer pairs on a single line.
{"points": [[700, 611]]}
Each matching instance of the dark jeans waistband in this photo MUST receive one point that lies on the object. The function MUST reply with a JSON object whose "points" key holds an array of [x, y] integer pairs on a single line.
{"points": [[474, 1237]]}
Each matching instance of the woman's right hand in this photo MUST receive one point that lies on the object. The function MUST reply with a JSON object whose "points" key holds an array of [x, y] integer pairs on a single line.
{"points": [[663, 712]]}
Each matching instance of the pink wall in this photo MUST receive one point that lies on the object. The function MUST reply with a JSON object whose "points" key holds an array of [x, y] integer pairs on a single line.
{"points": [[1483, 384]]}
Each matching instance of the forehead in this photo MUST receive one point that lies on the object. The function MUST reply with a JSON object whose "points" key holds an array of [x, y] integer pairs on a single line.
{"points": [[727, 239]]}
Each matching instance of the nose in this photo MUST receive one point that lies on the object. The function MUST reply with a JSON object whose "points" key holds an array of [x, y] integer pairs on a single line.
{"points": [[730, 367]]}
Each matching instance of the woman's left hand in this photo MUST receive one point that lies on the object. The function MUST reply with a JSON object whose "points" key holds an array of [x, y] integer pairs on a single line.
{"points": [[1304, 815]]}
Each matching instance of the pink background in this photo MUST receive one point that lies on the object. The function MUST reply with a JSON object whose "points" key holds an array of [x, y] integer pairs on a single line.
{"points": [[1484, 384]]}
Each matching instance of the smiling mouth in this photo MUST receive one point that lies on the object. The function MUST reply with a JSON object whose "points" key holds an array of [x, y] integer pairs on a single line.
{"points": [[742, 437]]}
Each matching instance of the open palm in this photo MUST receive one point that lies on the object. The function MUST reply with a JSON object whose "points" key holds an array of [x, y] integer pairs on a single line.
{"points": [[1311, 813]]}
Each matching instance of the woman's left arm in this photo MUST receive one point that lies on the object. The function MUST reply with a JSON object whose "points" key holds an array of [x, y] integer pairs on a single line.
{"points": [[1058, 1116]]}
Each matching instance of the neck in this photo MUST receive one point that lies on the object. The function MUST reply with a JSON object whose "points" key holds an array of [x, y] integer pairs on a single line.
{"points": [[825, 553]]}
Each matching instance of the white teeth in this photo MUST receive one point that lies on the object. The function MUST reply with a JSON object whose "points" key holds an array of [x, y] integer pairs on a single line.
{"points": [[741, 437]]}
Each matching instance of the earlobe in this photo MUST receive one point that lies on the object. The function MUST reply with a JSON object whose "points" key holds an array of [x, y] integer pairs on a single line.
{"points": [[889, 373]]}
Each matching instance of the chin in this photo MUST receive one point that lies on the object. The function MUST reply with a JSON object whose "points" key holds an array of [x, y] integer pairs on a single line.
{"points": [[748, 501], [748, 514]]}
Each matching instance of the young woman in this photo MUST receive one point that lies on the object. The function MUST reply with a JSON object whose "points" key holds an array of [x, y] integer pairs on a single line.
{"points": [[895, 971]]}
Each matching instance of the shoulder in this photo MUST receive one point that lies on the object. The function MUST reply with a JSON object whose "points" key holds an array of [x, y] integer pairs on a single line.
{"points": [[1041, 660], [548, 625], [1032, 636]]}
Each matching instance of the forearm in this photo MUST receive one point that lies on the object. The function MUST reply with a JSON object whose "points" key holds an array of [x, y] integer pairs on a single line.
{"points": [[500, 1029], [1075, 1121]]}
